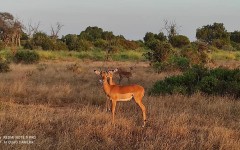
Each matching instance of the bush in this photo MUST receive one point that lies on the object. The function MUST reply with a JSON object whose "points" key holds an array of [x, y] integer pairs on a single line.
{"points": [[219, 43], [235, 45], [208, 85], [29, 45], [84, 45], [101, 43], [26, 56], [43, 41], [4, 66], [218, 81], [179, 41], [181, 63], [160, 52], [194, 55], [159, 66], [60, 45]]}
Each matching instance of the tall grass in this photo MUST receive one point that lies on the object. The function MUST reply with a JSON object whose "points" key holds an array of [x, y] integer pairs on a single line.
{"points": [[225, 55], [98, 55], [65, 110]]}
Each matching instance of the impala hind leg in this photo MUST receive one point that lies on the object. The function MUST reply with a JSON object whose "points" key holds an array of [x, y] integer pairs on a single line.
{"points": [[143, 108], [128, 80], [120, 79]]}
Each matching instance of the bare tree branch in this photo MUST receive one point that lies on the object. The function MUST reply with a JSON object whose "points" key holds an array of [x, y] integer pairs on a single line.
{"points": [[55, 31], [32, 29]]}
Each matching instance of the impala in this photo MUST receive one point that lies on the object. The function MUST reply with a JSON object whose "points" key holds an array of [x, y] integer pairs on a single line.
{"points": [[111, 82], [122, 93], [124, 74]]}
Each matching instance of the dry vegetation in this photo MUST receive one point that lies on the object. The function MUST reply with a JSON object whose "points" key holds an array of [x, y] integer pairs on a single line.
{"points": [[64, 109]]}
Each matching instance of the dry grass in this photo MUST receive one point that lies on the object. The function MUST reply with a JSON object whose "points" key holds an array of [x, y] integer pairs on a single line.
{"points": [[65, 110]]}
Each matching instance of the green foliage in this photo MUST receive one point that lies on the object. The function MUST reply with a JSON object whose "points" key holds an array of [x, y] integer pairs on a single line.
{"points": [[71, 41], [26, 56], [150, 38], [193, 54], [60, 45], [179, 41], [209, 33], [235, 45], [101, 43], [208, 85], [74, 43], [91, 34], [159, 66], [84, 45], [235, 36], [160, 52], [41, 40], [219, 43], [218, 81], [181, 63], [4, 66]]}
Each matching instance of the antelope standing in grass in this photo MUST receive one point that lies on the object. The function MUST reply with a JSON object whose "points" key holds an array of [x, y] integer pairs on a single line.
{"points": [[124, 74], [122, 93]]}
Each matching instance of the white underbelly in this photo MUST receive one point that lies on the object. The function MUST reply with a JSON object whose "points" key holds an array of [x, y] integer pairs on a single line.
{"points": [[125, 99]]}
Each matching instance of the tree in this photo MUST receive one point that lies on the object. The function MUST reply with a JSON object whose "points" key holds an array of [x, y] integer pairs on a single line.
{"points": [[91, 34], [106, 35], [171, 28], [10, 29], [31, 28], [179, 41], [41, 39], [160, 52], [71, 41], [235, 36], [55, 31], [211, 33], [151, 38]]}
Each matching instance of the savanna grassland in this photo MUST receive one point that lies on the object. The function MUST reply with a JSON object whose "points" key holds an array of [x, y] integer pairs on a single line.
{"points": [[65, 109]]}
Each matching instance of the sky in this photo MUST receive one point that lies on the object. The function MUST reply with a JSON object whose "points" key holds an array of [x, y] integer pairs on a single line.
{"points": [[130, 18]]}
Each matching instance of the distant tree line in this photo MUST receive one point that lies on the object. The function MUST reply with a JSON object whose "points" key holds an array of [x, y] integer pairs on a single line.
{"points": [[14, 33]]}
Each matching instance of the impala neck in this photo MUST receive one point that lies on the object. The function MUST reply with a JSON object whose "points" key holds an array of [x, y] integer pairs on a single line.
{"points": [[106, 86], [111, 81]]}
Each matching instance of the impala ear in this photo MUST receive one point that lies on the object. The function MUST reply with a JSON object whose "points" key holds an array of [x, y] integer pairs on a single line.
{"points": [[97, 72], [115, 70], [110, 71]]}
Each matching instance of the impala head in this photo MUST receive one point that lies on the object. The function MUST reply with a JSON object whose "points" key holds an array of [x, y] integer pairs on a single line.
{"points": [[111, 72], [102, 74]]}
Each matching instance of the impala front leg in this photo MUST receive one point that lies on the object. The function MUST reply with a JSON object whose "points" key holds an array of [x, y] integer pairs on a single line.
{"points": [[114, 103], [108, 104]]}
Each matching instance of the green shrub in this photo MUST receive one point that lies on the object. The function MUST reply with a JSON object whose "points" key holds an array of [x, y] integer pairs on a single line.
{"points": [[208, 85], [60, 45], [4, 66], [6, 55], [235, 45], [218, 81], [159, 66], [179, 41], [26, 56], [160, 52], [181, 63], [219, 43], [101, 43], [29, 45]]}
